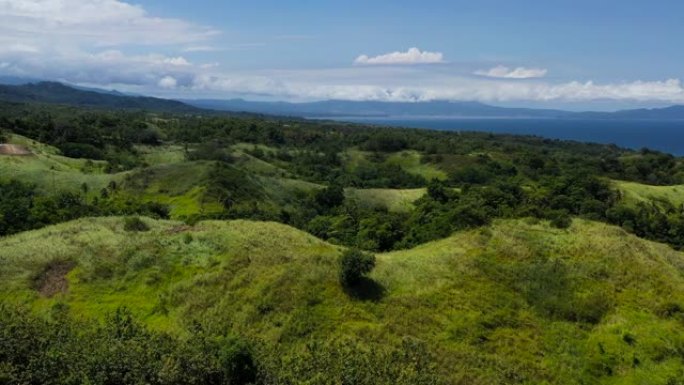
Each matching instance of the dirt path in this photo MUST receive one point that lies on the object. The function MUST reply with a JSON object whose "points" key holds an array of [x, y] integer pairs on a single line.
{"points": [[53, 280], [13, 149]]}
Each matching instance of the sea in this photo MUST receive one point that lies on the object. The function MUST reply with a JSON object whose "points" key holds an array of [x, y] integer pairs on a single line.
{"points": [[662, 135]]}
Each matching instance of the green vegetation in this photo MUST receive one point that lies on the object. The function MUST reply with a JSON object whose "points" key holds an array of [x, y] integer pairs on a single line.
{"points": [[478, 307], [635, 193], [140, 247], [354, 266], [393, 200], [135, 224], [413, 163]]}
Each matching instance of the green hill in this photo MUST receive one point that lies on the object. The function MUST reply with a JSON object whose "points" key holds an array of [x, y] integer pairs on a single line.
{"points": [[517, 302], [499, 259], [638, 192], [50, 171]]}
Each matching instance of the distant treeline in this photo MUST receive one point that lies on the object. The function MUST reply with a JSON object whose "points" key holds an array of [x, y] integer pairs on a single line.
{"points": [[488, 176]]}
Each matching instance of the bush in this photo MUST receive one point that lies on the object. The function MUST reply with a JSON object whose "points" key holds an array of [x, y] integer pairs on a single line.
{"points": [[354, 265], [135, 224], [81, 150], [561, 220], [329, 197]]}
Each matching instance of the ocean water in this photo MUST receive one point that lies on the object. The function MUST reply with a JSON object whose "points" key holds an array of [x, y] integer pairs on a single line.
{"points": [[662, 135]]}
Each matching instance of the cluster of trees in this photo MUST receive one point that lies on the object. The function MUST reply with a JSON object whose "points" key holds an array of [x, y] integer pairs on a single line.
{"points": [[445, 209], [662, 222], [82, 133], [23, 207], [62, 350], [111, 135]]}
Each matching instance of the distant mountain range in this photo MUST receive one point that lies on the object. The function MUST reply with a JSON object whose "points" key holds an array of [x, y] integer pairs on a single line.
{"points": [[58, 93], [339, 108]]}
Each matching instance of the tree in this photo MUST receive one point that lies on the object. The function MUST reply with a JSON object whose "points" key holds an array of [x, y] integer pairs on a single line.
{"points": [[438, 191], [331, 196], [354, 265]]}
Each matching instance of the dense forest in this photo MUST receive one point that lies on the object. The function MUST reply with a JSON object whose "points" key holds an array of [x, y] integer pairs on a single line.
{"points": [[487, 176]]}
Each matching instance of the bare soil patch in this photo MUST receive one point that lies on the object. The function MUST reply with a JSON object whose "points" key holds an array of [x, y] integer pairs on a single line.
{"points": [[179, 229], [13, 149], [53, 280]]}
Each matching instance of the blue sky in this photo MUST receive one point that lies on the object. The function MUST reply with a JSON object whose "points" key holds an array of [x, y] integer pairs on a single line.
{"points": [[574, 54]]}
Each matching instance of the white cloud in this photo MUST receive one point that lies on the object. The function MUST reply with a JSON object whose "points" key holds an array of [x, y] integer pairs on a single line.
{"points": [[401, 84], [168, 82], [515, 73], [177, 61], [93, 22], [19, 48], [85, 42], [412, 56], [201, 48]]}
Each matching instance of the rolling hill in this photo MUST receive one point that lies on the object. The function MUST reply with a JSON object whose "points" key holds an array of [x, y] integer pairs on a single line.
{"points": [[516, 302], [496, 260]]}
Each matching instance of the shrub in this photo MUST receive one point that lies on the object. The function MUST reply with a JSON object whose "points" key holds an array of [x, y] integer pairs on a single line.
{"points": [[135, 224], [329, 197], [561, 220], [354, 265], [81, 150]]}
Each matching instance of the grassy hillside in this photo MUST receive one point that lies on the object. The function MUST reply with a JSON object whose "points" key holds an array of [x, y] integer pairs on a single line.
{"points": [[516, 302], [411, 162], [637, 192], [51, 171], [395, 200]]}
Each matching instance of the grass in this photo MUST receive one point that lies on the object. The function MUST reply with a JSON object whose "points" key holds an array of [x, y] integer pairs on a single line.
{"points": [[158, 155], [52, 172], [410, 161], [394, 200], [636, 192], [251, 146], [179, 185], [515, 302], [257, 166]]}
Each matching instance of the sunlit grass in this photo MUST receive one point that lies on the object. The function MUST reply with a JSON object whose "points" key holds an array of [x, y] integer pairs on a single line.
{"points": [[410, 162], [471, 297], [395, 200], [638, 192]]}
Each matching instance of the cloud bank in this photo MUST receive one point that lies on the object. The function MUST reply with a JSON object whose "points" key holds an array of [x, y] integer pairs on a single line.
{"points": [[412, 56], [504, 72], [427, 87]]}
